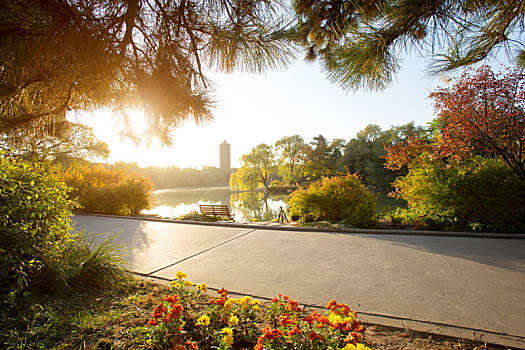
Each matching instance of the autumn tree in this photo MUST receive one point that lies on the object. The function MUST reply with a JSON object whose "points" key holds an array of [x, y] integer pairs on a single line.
{"points": [[257, 168], [292, 151], [64, 55], [481, 114], [361, 42]]}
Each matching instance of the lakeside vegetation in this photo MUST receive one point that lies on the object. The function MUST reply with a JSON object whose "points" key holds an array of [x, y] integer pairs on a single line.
{"points": [[61, 58]]}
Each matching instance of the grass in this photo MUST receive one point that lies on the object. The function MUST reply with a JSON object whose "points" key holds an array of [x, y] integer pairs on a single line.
{"points": [[118, 320]]}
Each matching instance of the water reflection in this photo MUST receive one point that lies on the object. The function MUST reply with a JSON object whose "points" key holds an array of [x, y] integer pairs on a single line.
{"points": [[247, 206]]}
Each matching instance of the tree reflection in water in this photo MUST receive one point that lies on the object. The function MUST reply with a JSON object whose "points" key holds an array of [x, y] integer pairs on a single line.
{"points": [[247, 206]]}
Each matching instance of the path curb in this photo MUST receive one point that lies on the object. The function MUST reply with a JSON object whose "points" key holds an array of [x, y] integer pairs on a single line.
{"points": [[279, 227]]}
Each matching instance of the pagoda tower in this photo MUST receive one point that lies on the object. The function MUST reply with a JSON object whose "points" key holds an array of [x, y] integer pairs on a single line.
{"points": [[225, 155]]}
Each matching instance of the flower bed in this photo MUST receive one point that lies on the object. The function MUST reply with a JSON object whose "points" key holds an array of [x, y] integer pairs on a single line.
{"points": [[183, 321]]}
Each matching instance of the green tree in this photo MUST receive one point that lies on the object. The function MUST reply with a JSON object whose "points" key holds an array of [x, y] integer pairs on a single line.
{"points": [[257, 167], [365, 154], [69, 55], [322, 157], [63, 145], [361, 42], [292, 154]]}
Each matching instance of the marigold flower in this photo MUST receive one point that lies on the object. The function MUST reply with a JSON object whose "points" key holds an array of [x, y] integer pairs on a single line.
{"points": [[174, 284], [228, 340], [188, 283], [202, 287], [313, 336], [203, 321], [234, 319], [227, 331], [256, 302], [293, 305], [192, 344], [285, 320], [223, 292], [354, 347], [229, 304], [256, 308], [172, 299], [153, 322], [295, 330], [180, 275], [245, 302], [271, 334]]}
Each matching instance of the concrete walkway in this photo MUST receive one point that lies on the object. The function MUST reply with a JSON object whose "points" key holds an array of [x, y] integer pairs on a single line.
{"points": [[472, 288]]}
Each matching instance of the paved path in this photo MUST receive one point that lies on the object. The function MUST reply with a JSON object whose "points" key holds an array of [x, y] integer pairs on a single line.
{"points": [[423, 282]]}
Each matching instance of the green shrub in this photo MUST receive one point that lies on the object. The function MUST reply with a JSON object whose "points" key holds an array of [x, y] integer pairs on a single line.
{"points": [[34, 221], [109, 190], [337, 198], [82, 265], [480, 194]]}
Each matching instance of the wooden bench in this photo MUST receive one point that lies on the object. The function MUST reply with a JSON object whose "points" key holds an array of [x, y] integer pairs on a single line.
{"points": [[216, 210]]}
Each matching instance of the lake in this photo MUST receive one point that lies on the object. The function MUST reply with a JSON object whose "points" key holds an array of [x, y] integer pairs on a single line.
{"points": [[247, 206]]}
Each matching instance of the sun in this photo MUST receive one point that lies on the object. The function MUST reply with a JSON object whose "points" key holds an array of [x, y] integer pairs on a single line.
{"points": [[184, 152]]}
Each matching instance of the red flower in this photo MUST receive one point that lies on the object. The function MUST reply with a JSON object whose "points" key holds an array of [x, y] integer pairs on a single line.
{"points": [[293, 305], [295, 330], [172, 299], [313, 336], [223, 292], [285, 320]]}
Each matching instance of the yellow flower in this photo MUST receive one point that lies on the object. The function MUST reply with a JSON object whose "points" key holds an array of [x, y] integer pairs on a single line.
{"points": [[174, 284], [353, 347], [256, 302], [202, 287], [180, 275], [234, 319], [203, 321], [228, 340], [229, 304], [227, 331], [188, 284], [256, 308], [245, 302]]}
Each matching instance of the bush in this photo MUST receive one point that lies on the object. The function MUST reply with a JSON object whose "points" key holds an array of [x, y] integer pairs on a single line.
{"points": [[337, 198], [109, 190], [82, 265], [480, 194], [34, 221]]}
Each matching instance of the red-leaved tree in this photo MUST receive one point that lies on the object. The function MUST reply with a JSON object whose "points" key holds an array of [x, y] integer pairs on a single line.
{"points": [[482, 113]]}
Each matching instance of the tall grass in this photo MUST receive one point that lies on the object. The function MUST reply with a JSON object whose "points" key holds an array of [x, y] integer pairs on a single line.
{"points": [[83, 265]]}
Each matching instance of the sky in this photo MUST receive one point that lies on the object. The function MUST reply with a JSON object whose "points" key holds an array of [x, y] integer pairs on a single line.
{"points": [[255, 109]]}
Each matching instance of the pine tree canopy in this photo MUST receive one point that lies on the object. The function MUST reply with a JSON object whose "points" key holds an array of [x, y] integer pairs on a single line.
{"points": [[360, 41], [72, 55]]}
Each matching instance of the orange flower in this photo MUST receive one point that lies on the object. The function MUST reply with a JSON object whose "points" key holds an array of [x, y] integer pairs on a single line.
{"points": [[293, 305], [313, 336], [223, 292], [192, 344], [172, 299], [295, 330], [285, 320]]}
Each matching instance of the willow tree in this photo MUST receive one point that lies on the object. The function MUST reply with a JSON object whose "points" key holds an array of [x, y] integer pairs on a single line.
{"points": [[361, 41], [69, 55]]}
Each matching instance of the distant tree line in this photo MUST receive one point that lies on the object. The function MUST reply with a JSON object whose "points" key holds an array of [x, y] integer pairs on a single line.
{"points": [[293, 162], [175, 177]]}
